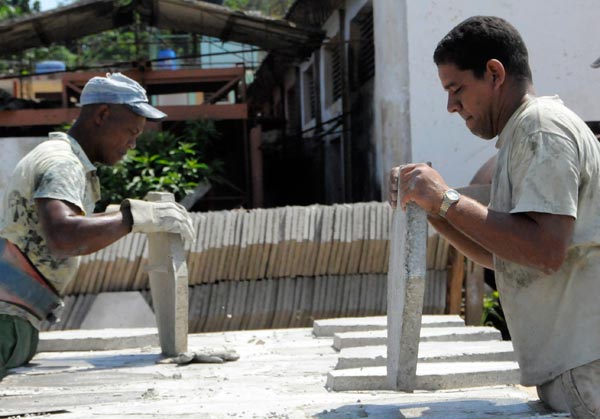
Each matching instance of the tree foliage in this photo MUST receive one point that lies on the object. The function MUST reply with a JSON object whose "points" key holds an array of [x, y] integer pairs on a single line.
{"points": [[15, 8], [275, 8]]}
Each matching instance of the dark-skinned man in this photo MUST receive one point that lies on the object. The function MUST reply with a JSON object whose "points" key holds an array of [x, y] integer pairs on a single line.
{"points": [[541, 231], [47, 220]]}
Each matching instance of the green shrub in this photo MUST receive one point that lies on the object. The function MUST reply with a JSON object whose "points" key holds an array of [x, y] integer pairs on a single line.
{"points": [[493, 315], [162, 161]]}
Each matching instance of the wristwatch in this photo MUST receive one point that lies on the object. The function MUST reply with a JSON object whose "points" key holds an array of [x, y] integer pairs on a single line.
{"points": [[451, 196]]}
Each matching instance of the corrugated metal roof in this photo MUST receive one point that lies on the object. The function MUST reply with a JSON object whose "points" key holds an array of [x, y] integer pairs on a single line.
{"points": [[88, 17]]}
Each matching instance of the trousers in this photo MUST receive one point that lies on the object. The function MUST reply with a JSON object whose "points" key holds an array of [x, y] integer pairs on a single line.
{"points": [[18, 342], [576, 391]]}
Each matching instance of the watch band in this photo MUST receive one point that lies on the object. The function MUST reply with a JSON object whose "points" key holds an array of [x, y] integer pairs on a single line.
{"points": [[451, 196]]}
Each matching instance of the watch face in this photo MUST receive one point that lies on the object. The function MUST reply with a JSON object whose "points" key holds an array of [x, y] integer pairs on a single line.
{"points": [[453, 195]]}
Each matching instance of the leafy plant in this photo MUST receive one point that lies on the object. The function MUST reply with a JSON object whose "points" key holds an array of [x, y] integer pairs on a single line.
{"points": [[493, 315], [163, 161]]}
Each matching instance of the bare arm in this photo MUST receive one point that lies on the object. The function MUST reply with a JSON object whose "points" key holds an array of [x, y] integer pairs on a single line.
{"points": [[464, 244], [69, 233], [531, 239]]}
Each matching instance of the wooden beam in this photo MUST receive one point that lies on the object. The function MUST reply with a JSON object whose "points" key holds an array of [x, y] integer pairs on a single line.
{"points": [[188, 112], [55, 117], [33, 117], [456, 276]]}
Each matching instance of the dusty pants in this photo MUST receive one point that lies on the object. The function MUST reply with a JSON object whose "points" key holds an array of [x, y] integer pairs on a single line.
{"points": [[576, 391], [18, 342]]}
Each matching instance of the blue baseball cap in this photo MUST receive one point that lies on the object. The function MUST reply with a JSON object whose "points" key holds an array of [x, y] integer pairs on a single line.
{"points": [[119, 89]]}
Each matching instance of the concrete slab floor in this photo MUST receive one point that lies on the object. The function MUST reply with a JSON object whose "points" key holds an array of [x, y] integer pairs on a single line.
{"points": [[280, 374]]}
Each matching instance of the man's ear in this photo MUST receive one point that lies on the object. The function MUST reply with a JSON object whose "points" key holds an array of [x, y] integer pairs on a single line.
{"points": [[496, 72], [101, 114]]}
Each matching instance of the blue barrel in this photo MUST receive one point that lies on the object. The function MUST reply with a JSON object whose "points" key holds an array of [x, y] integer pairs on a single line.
{"points": [[49, 66], [167, 59]]}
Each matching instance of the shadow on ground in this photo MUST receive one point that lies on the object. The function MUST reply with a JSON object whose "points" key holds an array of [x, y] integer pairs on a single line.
{"points": [[456, 409]]}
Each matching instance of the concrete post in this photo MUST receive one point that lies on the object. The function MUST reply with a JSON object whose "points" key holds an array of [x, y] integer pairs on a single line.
{"points": [[169, 285], [406, 287], [392, 124]]}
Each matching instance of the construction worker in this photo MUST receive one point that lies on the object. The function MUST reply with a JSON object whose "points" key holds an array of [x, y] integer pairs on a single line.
{"points": [[47, 220], [541, 231]]}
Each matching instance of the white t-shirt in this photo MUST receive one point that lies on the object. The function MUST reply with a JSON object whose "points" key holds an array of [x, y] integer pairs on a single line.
{"points": [[58, 169], [549, 162]]}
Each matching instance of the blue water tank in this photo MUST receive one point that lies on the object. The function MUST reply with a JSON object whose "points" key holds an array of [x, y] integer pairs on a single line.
{"points": [[49, 66], [167, 59]]}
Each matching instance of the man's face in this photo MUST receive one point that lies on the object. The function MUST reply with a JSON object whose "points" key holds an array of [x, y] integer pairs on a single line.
{"points": [[471, 98], [120, 131]]}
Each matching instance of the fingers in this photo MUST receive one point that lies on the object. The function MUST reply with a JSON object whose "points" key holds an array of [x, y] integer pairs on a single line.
{"points": [[393, 190], [184, 225]]}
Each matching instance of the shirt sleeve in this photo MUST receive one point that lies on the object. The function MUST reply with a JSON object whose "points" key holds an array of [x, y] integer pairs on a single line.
{"points": [[544, 174], [61, 178]]}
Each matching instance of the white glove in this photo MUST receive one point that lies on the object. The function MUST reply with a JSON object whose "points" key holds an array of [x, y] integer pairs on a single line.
{"points": [[160, 217], [203, 356]]}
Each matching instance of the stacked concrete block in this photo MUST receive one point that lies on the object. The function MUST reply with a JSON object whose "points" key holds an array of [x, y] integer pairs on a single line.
{"points": [[333, 250], [449, 355]]}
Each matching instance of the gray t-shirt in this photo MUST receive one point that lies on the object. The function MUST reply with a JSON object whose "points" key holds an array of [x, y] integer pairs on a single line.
{"points": [[549, 162], [58, 169]]}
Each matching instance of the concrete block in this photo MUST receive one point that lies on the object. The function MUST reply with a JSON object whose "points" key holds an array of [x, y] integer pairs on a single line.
{"points": [[478, 351], [329, 327], [429, 376], [119, 310], [97, 340], [169, 285], [443, 334], [406, 288]]}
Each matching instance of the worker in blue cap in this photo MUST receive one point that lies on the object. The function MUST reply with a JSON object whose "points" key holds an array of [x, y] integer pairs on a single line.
{"points": [[47, 218]]}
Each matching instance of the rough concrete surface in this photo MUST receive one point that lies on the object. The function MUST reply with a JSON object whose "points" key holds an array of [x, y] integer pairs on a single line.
{"points": [[281, 374]]}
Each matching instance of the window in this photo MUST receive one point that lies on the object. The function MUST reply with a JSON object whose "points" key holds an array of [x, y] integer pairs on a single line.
{"points": [[309, 95], [333, 71], [362, 48]]}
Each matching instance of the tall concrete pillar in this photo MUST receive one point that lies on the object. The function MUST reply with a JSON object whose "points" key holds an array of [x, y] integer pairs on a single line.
{"points": [[392, 88], [169, 285], [406, 289]]}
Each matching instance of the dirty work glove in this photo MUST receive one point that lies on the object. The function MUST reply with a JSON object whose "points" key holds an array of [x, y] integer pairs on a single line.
{"points": [[204, 356], [160, 217]]}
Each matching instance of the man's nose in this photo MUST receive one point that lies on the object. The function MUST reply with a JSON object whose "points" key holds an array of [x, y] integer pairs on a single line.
{"points": [[453, 104]]}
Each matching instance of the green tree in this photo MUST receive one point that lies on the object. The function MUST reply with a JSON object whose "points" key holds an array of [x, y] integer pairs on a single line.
{"points": [[15, 8], [275, 8]]}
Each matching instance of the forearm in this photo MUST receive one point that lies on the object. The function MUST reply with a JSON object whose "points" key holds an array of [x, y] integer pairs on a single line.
{"points": [[72, 234], [514, 237], [535, 239], [464, 244], [90, 234]]}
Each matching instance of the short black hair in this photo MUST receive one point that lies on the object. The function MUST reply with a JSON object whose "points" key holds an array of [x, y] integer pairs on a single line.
{"points": [[475, 41]]}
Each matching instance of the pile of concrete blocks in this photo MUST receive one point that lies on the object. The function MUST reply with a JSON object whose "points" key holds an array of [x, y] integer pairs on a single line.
{"points": [[267, 268], [451, 355], [285, 242]]}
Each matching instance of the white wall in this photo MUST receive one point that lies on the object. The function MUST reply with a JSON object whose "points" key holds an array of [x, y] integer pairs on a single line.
{"points": [[12, 149], [563, 38]]}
